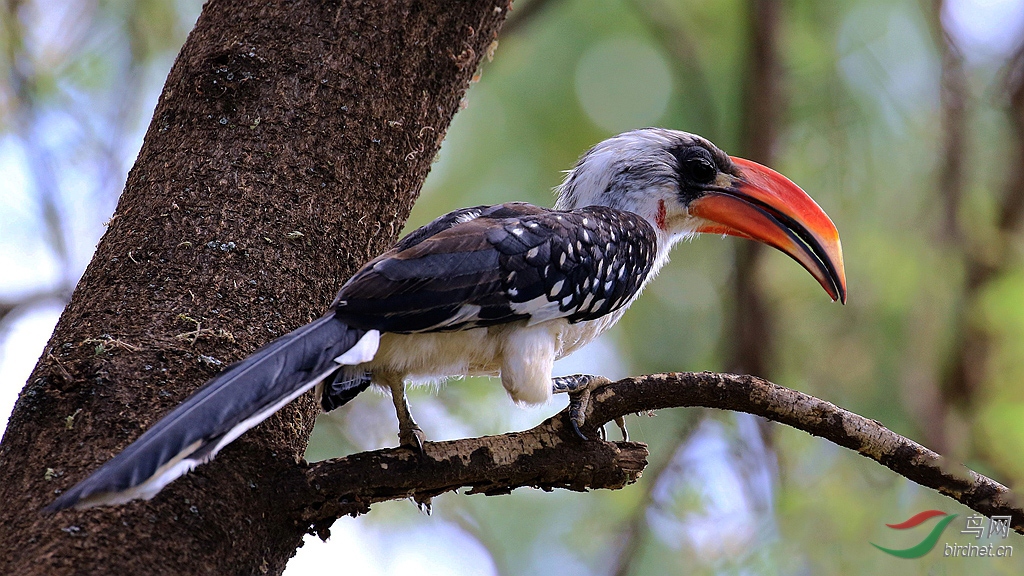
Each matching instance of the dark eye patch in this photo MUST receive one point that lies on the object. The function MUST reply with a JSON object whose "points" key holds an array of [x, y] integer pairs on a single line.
{"points": [[698, 169], [696, 165]]}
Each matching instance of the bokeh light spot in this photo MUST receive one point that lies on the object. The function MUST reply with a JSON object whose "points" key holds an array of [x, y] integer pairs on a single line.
{"points": [[623, 83]]}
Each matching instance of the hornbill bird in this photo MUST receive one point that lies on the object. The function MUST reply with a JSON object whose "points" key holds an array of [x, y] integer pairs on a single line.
{"points": [[501, 290]]}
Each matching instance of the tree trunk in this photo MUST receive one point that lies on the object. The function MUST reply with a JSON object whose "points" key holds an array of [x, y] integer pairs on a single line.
{"points": [[287, 148], [752, 341]]}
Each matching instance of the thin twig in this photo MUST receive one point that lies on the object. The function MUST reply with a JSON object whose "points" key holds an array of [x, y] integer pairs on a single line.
{"points": [[109, 341], [7, 306], [60, 367]]}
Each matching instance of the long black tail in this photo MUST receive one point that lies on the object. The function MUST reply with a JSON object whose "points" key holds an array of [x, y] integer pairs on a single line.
{"points": [[242, 396]]}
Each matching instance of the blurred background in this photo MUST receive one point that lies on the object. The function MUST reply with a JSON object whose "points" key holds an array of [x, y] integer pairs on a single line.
{"points": [[904, 119]]}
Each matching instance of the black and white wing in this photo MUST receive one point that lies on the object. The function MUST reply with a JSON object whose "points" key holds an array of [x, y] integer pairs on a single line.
{"points": [[490, 265]]}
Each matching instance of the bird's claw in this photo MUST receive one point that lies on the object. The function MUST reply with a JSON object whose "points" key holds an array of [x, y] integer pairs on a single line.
{"points": [[621, 423], [412, 438], [424, 503], [578, 402], [576, 429], [622, 428], [579, 387]]}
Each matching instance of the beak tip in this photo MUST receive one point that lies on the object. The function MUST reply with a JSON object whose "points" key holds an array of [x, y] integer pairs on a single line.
{"points": [[841, 284], [837, 289], [841, 297]]}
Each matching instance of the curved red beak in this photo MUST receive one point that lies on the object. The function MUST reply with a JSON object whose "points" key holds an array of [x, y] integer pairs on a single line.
{"points": [[763, 205]]}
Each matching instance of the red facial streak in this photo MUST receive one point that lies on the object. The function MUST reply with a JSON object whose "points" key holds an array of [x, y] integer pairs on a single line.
{"points": [[660, 218]]}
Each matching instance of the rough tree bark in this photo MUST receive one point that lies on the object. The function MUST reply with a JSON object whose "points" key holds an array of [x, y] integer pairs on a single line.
{"points": [[286, 149]]}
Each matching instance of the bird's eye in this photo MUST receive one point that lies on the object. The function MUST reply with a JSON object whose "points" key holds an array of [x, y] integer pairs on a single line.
{"points": [[699, 169]]}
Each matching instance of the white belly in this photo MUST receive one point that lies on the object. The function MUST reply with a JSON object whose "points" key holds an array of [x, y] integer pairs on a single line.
{"points": [[475, 352], [483, 351]]}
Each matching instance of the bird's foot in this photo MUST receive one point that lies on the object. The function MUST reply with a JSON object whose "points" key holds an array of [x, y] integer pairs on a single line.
{"points": [[409, 433], [412, 437], [579, 387], [575, 383], [622, 428], [424, 503]]}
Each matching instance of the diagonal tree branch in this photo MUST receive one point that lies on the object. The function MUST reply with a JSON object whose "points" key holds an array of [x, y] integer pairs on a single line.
{"points": [[9, 305], [550, 456]]}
